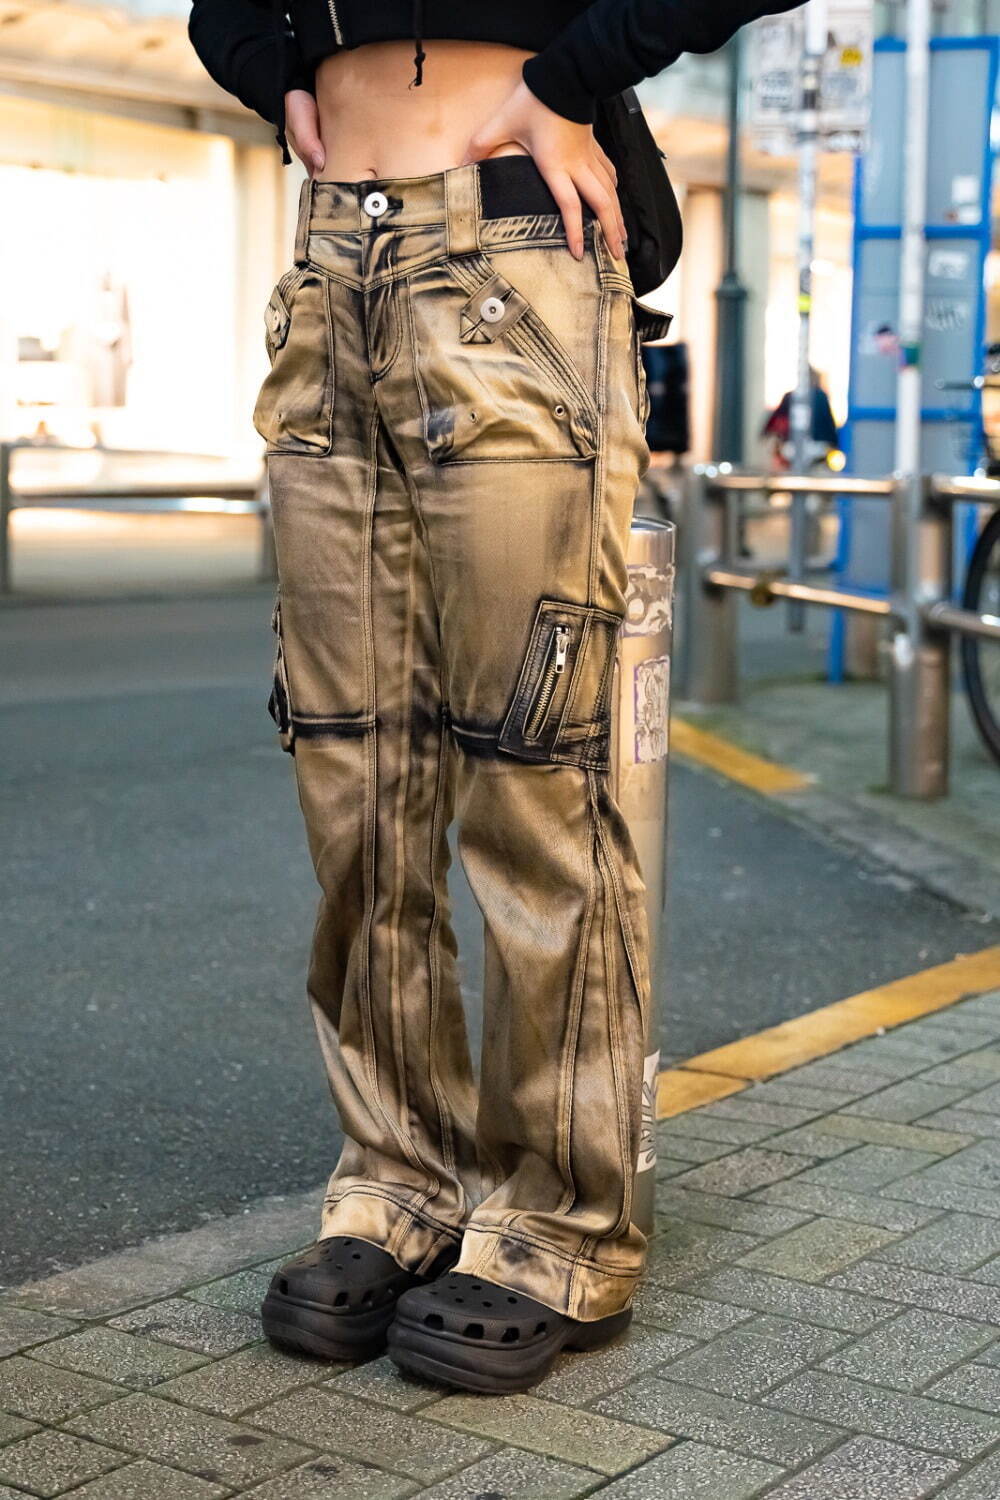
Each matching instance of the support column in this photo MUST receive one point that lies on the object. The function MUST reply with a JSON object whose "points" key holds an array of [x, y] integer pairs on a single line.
{"points": [[703, 264]]}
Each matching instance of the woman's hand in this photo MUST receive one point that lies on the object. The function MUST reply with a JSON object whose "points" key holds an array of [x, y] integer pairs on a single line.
{"points": [[568, 157], [302, 129]]}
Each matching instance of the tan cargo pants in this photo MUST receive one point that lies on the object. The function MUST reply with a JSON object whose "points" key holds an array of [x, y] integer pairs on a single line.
{"points": [[454, 429]]}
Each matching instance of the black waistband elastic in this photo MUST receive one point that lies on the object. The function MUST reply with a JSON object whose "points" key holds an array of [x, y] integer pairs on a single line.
{"points": [[501, 187], [511, 185]]}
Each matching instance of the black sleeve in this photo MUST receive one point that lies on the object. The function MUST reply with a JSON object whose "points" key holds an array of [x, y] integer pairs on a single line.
{"points": [[248, 47], [614, 44]]}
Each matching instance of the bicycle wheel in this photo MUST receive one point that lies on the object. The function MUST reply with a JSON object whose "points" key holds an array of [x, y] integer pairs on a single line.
{"points": [[981, 657]]}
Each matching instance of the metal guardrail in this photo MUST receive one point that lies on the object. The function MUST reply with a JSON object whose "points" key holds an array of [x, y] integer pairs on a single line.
{"points": [[919, 605], [205, 492]]}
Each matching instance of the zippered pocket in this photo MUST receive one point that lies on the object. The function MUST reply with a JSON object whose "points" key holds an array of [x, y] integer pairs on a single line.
{"points": [[555, 665], [560, 710]]}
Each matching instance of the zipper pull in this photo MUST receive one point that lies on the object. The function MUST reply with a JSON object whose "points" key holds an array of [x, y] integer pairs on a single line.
{"points": [[562, 646]]}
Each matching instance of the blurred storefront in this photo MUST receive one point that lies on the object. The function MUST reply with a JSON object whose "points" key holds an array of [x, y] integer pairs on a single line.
{"points": [[145, 216], [686, 107]]}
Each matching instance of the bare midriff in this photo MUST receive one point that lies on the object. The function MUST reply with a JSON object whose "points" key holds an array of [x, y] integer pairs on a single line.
{"points": [[373, 124]]}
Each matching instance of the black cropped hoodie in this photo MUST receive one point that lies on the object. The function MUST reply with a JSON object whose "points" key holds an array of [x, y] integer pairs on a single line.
{"points": [[260, 49]]}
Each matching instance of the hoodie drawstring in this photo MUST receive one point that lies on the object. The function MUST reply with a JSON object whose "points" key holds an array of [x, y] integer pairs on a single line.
{"points": [[418, 42], [279, 18]]}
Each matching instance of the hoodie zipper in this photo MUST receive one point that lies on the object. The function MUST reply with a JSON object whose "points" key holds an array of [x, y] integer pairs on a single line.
{"points": [[338, 35], [555, 665]]}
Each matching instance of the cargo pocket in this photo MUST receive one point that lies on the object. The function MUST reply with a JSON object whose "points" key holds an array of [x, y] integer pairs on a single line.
{"points": [[278, 704], [561, 706], [294, 410], [504, 388]]}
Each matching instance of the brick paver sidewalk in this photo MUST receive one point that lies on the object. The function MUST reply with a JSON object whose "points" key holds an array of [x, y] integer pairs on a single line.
{"points": [[818, 1322]]}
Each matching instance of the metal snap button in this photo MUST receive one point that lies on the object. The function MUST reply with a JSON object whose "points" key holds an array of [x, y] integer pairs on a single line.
{"points": [[491, 309], [375, 204]]}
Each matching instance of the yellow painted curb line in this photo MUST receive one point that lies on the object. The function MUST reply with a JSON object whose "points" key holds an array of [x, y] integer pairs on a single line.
{"points": [[726, 1070], [721, 755]]}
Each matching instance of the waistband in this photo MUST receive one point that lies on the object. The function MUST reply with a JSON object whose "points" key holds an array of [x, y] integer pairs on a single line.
{"points": [[459, 198]]}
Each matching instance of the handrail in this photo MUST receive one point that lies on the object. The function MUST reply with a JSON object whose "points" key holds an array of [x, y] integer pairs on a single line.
{"points": [[964, 621], [145, 490], [247, 495], [718, 477], [923, 617], [965, 487], [24, 445], [767, 587]]}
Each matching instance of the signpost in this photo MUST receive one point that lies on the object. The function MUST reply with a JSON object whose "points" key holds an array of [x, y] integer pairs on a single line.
{"points": [[778, 45], [811, 92]]}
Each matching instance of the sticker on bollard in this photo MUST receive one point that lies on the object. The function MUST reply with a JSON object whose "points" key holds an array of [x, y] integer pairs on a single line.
{"points": [[647, 1137], [652, 707], [648, 599]]}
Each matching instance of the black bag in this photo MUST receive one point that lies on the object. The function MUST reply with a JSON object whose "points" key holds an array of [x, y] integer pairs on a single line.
{"points": [[668, 429], [649, 208]]}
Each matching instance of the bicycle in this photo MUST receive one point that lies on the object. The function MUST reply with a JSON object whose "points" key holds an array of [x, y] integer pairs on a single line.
{"points": [[980, 657]]}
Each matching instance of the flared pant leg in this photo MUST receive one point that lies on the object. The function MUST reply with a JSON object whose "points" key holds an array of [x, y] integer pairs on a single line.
{"points": [[375, 775]]}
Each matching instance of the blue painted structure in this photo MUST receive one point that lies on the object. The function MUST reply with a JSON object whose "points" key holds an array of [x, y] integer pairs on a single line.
{"points": [[962, 148]]}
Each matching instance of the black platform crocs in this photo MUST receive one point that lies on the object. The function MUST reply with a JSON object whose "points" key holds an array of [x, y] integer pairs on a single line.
{"points": [[466, 1332], [337, 1298]]}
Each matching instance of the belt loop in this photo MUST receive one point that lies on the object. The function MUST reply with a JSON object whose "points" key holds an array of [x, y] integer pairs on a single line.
{"points": [[302, 223], [463, 206]]}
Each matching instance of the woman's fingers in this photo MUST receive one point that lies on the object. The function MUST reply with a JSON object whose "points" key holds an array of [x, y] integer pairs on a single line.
{"points": [[563, 190], [609, 165], [612, 172], [568, 157], [603, 200], [610, 180]]}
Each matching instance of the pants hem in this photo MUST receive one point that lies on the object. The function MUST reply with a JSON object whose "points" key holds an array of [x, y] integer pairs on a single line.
{"points": [[576, 1286], [412, 1238]]}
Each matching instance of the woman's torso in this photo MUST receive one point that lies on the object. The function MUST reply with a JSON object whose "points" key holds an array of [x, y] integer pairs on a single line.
{"points": [[374, 124]]}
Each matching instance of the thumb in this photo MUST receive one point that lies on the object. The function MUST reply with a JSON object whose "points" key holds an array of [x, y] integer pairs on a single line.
{"points": [[302, 120], [480, 145], [311, 150]]}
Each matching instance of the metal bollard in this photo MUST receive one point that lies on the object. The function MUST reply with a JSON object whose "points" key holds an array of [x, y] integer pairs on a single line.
{"points": [[6, 506], [919, 653], [639, 765], [708, 659]]}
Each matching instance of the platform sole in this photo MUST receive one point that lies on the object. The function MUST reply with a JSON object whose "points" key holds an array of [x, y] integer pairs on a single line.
{"points": [[310, 1328], [492, 1368]]}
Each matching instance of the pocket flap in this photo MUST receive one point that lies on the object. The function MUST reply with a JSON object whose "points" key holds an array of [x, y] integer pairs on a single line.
{"points": [[277, 319], [652, 324], [491, 311], [560, 710]]}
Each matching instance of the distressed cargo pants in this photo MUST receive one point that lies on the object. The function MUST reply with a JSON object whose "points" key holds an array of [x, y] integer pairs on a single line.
{"points": [[454, 430]]}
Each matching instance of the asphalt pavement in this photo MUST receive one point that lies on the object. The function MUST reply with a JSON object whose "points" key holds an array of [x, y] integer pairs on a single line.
{"points": [[159, 1064]]}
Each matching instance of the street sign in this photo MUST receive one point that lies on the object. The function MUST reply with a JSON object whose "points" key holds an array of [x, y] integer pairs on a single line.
{"points": [[776, 46]]}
